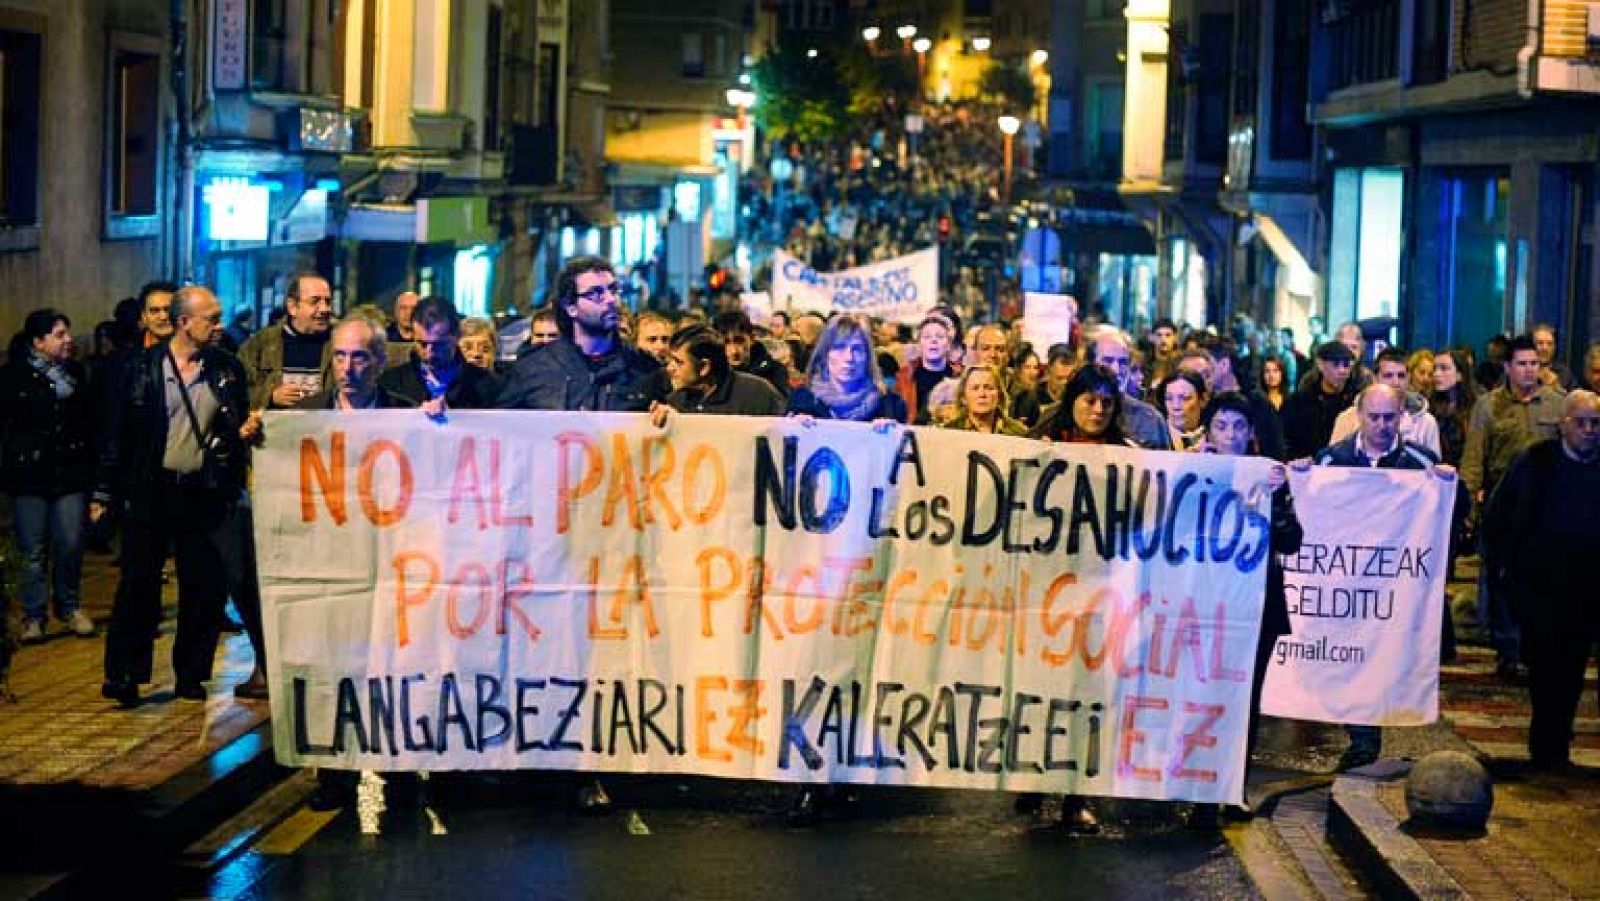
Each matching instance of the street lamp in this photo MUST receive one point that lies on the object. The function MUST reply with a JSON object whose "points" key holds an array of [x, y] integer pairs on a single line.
{"points": [[921, 45], [980, 44], [811, 53], [870, 33], [1040, 57], [906, 32], [1008, 127]]}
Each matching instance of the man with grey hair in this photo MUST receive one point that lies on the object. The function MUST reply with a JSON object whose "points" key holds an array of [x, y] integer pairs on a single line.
{"points": [[359, 352], [173, 456], [1540, 540], [1111, 349]]}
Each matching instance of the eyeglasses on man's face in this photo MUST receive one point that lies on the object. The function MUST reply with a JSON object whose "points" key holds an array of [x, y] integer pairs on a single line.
{"points": [[599, 293]]}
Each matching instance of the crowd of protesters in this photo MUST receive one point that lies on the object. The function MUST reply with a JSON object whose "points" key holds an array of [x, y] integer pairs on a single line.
{"points": [[884, 192], [153, 432]]}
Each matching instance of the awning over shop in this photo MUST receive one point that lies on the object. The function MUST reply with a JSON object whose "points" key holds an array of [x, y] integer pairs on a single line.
{"points": [[1119, 235], [462, 221], [1301, 279]]}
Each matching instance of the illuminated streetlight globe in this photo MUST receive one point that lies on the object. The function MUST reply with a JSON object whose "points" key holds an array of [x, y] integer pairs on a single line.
{"points": [[980, 44], [921, 45], [906, 32], [812, 53], [1010, 124], [1040, 57], [870, 33]]}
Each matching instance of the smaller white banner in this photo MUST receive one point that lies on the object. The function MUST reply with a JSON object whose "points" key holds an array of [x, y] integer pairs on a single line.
{"points": [[757, 305], [1047, 319], [1365, 595], [901, 289]]}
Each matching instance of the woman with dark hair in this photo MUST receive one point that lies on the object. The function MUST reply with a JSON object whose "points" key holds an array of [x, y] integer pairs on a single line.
{"points": [[1274, 381], [1089, 412], [1230, 430], [1451, 402], [1182, 396], [842, 381], [46, 463]]}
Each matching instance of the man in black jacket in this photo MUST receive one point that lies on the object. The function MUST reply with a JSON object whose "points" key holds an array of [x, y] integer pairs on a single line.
{"points": [[704, 382], [436, 367], [1540, 541], [174, 454], [589, 367], [1309, 413], [1377, 444], [746, 354]]}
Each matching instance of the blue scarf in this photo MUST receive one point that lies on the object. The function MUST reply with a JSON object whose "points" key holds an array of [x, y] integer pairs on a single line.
{"points": [[59, 378]]}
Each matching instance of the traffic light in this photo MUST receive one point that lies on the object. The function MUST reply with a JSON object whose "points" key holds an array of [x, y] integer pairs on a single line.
{"points": [[944, 228]]}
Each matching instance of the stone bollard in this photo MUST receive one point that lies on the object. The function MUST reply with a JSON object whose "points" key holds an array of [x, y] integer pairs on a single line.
{"points": [[1449, 789]]}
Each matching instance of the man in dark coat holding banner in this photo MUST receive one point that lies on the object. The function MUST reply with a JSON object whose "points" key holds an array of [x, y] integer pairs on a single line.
{"points": [[589, 367], [1377, 444]]}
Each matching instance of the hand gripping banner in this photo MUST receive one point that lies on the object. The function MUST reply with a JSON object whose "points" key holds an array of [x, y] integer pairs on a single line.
{"points": [[752, 598]]}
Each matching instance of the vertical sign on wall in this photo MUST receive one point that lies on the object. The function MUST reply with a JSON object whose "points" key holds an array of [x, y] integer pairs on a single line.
{"points": [[228, 57]]}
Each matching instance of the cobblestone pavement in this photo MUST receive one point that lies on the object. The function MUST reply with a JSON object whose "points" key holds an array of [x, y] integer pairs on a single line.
{"points": [[60, 730]]}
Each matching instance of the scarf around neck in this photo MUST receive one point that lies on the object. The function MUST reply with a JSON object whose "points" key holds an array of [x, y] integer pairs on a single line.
{"points": [[857, 405], [60, 379]]}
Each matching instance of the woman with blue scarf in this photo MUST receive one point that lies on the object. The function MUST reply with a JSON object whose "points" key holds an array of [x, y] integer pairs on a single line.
{"points": [[46, 463]]}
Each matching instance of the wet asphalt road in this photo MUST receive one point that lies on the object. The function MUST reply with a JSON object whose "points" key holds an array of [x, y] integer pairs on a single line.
{"points": [[518, 835], [519, 838]]}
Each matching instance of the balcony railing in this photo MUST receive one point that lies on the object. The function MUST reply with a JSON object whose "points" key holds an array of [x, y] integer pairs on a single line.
{"points": [[1363, 41]]}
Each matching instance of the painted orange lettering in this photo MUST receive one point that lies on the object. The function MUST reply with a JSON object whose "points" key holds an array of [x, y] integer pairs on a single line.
{"points": [[405, 597], [701, 457], [704, 716], [1132, 738], [464, 485], [655, 482], [622, 489], [714, 592], [468, 574], [567, 494], [379, 516], [329, 477]]}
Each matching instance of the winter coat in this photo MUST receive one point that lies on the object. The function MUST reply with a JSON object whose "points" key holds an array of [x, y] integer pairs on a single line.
{"points": [[558, 376], [46, 442]]}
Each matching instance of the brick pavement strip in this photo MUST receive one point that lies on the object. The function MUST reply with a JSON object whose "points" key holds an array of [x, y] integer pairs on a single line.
{"points": [[60, 730]]}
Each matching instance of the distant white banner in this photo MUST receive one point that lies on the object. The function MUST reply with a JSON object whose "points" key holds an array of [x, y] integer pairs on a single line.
{"points": [[1366, 594], [1047, 319], [901, 289]]}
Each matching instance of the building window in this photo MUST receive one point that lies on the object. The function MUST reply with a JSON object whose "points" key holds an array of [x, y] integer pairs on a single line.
{"points": [[1364, 259], [133, 158], [19, 125], [694, 55], [491, 81], [289, 46], [1291, 47], [269, 37]]}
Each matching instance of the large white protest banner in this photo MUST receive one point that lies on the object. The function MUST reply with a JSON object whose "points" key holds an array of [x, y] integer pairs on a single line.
{"points": [[901, 289], [1366, 595], [752, 598]]}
